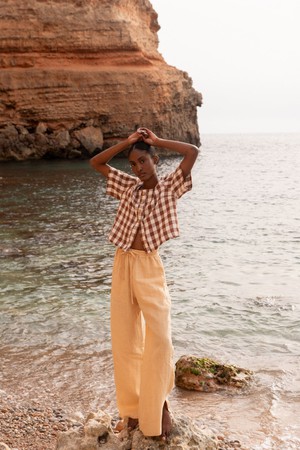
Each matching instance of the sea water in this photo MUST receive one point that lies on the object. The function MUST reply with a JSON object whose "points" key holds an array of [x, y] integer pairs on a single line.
{"points": [[233, 275]]}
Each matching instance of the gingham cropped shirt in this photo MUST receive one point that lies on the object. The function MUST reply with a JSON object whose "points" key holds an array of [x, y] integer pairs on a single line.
{"points": [[151, 210]]}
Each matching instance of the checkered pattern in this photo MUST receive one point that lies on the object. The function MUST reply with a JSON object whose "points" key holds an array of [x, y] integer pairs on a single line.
{"points": [[153, 210]]}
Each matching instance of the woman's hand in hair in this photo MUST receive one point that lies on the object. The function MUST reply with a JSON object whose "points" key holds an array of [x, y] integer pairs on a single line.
{"points": [[134, 137], [147, 135]]}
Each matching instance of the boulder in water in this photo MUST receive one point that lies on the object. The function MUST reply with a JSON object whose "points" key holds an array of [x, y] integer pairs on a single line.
{"points": [[207, 375]]}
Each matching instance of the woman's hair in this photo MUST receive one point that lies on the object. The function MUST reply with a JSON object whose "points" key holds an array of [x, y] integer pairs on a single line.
{"points": [[141, 145]]}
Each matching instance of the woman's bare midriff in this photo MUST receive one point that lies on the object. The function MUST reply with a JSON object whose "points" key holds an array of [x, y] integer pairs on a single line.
{"points": [[138, 243]]}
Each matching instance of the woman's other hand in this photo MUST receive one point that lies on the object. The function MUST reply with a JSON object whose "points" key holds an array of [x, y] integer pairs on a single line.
{"points": [[147, 135]]}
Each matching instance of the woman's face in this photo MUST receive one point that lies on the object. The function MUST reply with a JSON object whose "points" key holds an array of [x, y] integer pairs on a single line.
{"points": [[143, 164]]}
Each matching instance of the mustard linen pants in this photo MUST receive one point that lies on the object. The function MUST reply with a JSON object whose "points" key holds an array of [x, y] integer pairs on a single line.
{"points": [[141, 337]]}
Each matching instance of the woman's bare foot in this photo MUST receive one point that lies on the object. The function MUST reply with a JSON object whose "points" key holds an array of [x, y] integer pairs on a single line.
{"points": [[166, 424], [132, 423], [119, 426]]}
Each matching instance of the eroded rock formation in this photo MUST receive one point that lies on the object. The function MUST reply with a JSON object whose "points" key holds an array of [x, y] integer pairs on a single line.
{"points": [[97, 432], [207, 375], [79, 74]]}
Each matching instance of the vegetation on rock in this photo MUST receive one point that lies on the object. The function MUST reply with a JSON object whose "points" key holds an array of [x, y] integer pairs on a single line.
{"points": [[207, 375]]}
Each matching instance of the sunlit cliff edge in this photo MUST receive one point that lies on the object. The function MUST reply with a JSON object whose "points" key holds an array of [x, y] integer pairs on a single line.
{"points": [[77, 75]]}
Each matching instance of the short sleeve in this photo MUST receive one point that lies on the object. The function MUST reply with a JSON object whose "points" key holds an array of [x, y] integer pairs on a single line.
{"points": [[178, 183], [118, 182]]}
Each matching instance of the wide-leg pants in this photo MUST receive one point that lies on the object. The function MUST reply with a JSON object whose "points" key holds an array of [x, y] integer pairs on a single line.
{"points": [[141, 337]]}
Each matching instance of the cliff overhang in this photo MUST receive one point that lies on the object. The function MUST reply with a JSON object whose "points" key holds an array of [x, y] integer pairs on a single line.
{"points": [[77, 75]]}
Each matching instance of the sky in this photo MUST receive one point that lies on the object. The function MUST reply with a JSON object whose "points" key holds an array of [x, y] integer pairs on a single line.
{"points": [[242, 55]]}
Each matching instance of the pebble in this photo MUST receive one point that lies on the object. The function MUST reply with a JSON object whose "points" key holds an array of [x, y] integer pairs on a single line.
{"points": [[28, 427], [24, 427]]}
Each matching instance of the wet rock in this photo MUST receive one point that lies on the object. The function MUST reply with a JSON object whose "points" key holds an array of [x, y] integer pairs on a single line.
{"points": [[74, 154], [62, 138], [69, 440], [10, 131], [41, 139], [98, 433], [41, 128], [207, 375], [95, 433], [17, 143], [90, 137], [22, 130]]}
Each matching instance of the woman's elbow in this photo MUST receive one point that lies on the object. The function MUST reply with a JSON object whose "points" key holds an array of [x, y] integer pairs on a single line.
{"points": [[194, 151], [100, 167], [93, 163]]}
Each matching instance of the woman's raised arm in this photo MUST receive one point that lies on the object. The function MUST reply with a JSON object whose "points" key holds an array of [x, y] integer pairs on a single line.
{"points": [[99, 162], [189, 151]]}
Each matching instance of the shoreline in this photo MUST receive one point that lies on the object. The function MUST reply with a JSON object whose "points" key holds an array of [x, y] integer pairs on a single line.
{"points": [[55, 308], [34, 425]]}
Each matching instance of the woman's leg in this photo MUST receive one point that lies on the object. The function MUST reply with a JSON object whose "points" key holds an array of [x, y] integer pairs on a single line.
{"points": [[157, 372], [127, 336]]}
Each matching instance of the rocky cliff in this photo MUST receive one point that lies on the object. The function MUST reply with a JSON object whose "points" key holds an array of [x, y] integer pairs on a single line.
{"points": [[76, 75]]}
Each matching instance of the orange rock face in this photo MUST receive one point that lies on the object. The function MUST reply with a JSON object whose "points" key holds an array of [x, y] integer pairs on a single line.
{"points": [[67, 65]]}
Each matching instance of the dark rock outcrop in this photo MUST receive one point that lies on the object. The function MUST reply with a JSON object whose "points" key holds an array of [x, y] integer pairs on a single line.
{"points": [[79, 74]]}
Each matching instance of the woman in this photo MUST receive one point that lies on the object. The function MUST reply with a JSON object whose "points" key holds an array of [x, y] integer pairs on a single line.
{"points": [[140, 303]]}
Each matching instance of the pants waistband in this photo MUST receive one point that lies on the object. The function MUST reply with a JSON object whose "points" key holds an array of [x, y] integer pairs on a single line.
{"points": [[133, 251]]}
